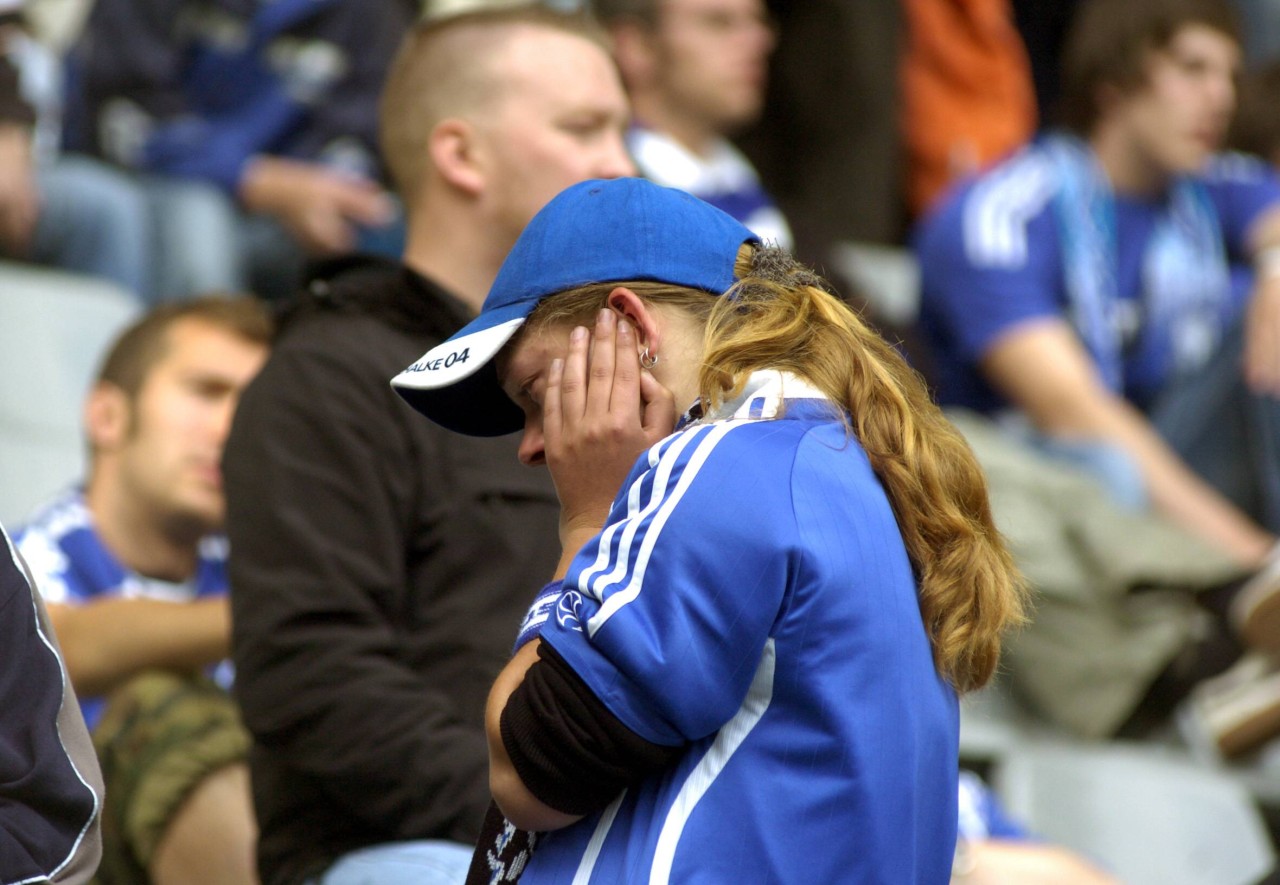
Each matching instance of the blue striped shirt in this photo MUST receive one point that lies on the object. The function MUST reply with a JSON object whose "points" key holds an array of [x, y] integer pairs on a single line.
{"points": [[992, 259], [72, 566], [751, 600]]}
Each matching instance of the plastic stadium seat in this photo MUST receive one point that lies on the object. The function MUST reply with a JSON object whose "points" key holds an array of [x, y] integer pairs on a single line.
{"points": [[54, 329], [888, 277], [1150, 816]]}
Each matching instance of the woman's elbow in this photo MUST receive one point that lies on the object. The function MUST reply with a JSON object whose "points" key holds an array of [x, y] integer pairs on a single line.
{"points": [[520, 806]]}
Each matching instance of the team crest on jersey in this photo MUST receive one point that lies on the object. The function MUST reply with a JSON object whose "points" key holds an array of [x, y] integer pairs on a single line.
{"points": [[568, 610]]}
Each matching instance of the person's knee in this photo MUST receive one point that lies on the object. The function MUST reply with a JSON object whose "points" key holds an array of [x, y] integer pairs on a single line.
{"points": [[94, 219], [212, 835], [161, 739], [198, 238]]}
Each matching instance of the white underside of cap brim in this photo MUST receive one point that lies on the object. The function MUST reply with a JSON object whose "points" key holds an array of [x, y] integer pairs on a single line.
{"points": [[457, 359]]}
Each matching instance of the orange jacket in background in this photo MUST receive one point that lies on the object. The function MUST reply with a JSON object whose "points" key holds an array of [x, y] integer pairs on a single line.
{"points": [[967, 94]]}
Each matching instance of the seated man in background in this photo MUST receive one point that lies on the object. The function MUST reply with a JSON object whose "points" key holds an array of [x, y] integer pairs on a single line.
{"points": [[132, 569], [696, 71], [1090, 281], [1092, 284], [269, 108], [379, 563]]}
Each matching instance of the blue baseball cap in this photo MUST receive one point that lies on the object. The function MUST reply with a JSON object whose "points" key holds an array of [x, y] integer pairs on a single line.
{"points": [[593, 232]]}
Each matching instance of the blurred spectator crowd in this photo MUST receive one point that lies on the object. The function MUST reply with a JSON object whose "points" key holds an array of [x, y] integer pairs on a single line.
{"points": [[1051, 218]]}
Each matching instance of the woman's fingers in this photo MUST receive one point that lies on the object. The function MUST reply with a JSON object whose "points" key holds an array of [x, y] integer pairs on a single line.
{"points": [[624, 401], [658, 418], [599, 394], [573, 382], [552, 409], [600, 381]]}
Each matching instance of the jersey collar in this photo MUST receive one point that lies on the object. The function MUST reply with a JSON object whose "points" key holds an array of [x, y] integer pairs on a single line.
{"points": [[762, 397]]}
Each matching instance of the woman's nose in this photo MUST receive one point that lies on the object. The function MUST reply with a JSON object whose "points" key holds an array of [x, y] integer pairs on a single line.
{"points": [[531, 452]]}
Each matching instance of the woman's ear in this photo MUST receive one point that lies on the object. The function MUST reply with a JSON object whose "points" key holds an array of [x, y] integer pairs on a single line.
{"points": [[106, 417], [639, 314], [452, 146]]}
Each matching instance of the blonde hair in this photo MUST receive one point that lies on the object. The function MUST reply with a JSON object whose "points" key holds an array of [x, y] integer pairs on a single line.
{"points": [[781, 316]]}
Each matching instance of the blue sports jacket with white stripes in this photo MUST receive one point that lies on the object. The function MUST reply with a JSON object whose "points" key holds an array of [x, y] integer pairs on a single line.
{"points": [[751, 600]]}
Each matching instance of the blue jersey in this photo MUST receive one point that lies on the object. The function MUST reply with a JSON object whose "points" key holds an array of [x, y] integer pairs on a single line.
{"points": [[751, 600], [722, 176], [72, 566], [991, 258]]}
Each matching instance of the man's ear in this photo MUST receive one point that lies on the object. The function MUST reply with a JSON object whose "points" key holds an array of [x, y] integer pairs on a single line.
{"points": [[639, 314], [635, 53], [106, 417], [454, 148]]}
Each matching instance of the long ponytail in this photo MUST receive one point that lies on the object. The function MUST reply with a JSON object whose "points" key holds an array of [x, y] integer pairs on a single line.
{"points": [[781, 316]]}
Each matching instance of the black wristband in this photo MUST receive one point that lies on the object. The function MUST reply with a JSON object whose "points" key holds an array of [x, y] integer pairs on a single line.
{"points": [[569, 750]]}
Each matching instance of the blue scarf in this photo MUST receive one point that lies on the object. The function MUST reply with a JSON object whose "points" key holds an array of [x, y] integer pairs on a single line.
{"points": [[1185, 278]]}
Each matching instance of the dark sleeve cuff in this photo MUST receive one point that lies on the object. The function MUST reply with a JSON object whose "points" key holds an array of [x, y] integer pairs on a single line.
{"points": [[569, 750]]}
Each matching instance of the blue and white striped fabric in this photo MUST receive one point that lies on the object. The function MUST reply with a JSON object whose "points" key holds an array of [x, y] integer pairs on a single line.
{"points": [[72, 566], [723, 177], [1140, 278], [751, 599]]}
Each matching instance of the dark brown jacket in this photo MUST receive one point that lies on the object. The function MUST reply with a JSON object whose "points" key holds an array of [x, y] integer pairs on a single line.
{"points": [[380, 567]]}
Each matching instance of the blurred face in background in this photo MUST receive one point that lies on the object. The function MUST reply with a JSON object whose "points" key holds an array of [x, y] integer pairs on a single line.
{"points": [[165, 443], [560, 119], [1179, 117], [712, 60]]}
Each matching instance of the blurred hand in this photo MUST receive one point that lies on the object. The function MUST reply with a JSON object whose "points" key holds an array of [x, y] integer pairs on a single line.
{"points": [[1262, 337], [19, 196], [997, 862], [600, 413], [317, 205]]}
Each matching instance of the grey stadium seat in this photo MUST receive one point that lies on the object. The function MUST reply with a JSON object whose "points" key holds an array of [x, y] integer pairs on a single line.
{"points": [[54, 329]]}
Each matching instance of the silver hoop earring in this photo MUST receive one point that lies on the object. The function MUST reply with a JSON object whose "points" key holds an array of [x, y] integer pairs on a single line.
{"points": [[647, 361]]}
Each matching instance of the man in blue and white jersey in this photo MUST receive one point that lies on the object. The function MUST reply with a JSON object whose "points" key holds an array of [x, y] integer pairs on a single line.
{"points": [[77, 570], [132, 567], [695, 71], [1095, 281]]}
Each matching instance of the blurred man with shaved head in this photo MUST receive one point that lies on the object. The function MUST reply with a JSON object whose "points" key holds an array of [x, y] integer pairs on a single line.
{"points": [[380, 561]]}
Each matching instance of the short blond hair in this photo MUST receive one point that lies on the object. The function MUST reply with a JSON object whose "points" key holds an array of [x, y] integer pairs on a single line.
{"points": [[449, 66]]}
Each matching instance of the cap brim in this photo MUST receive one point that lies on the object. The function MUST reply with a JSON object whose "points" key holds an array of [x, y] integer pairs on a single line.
{"points": [[455, 384]]}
